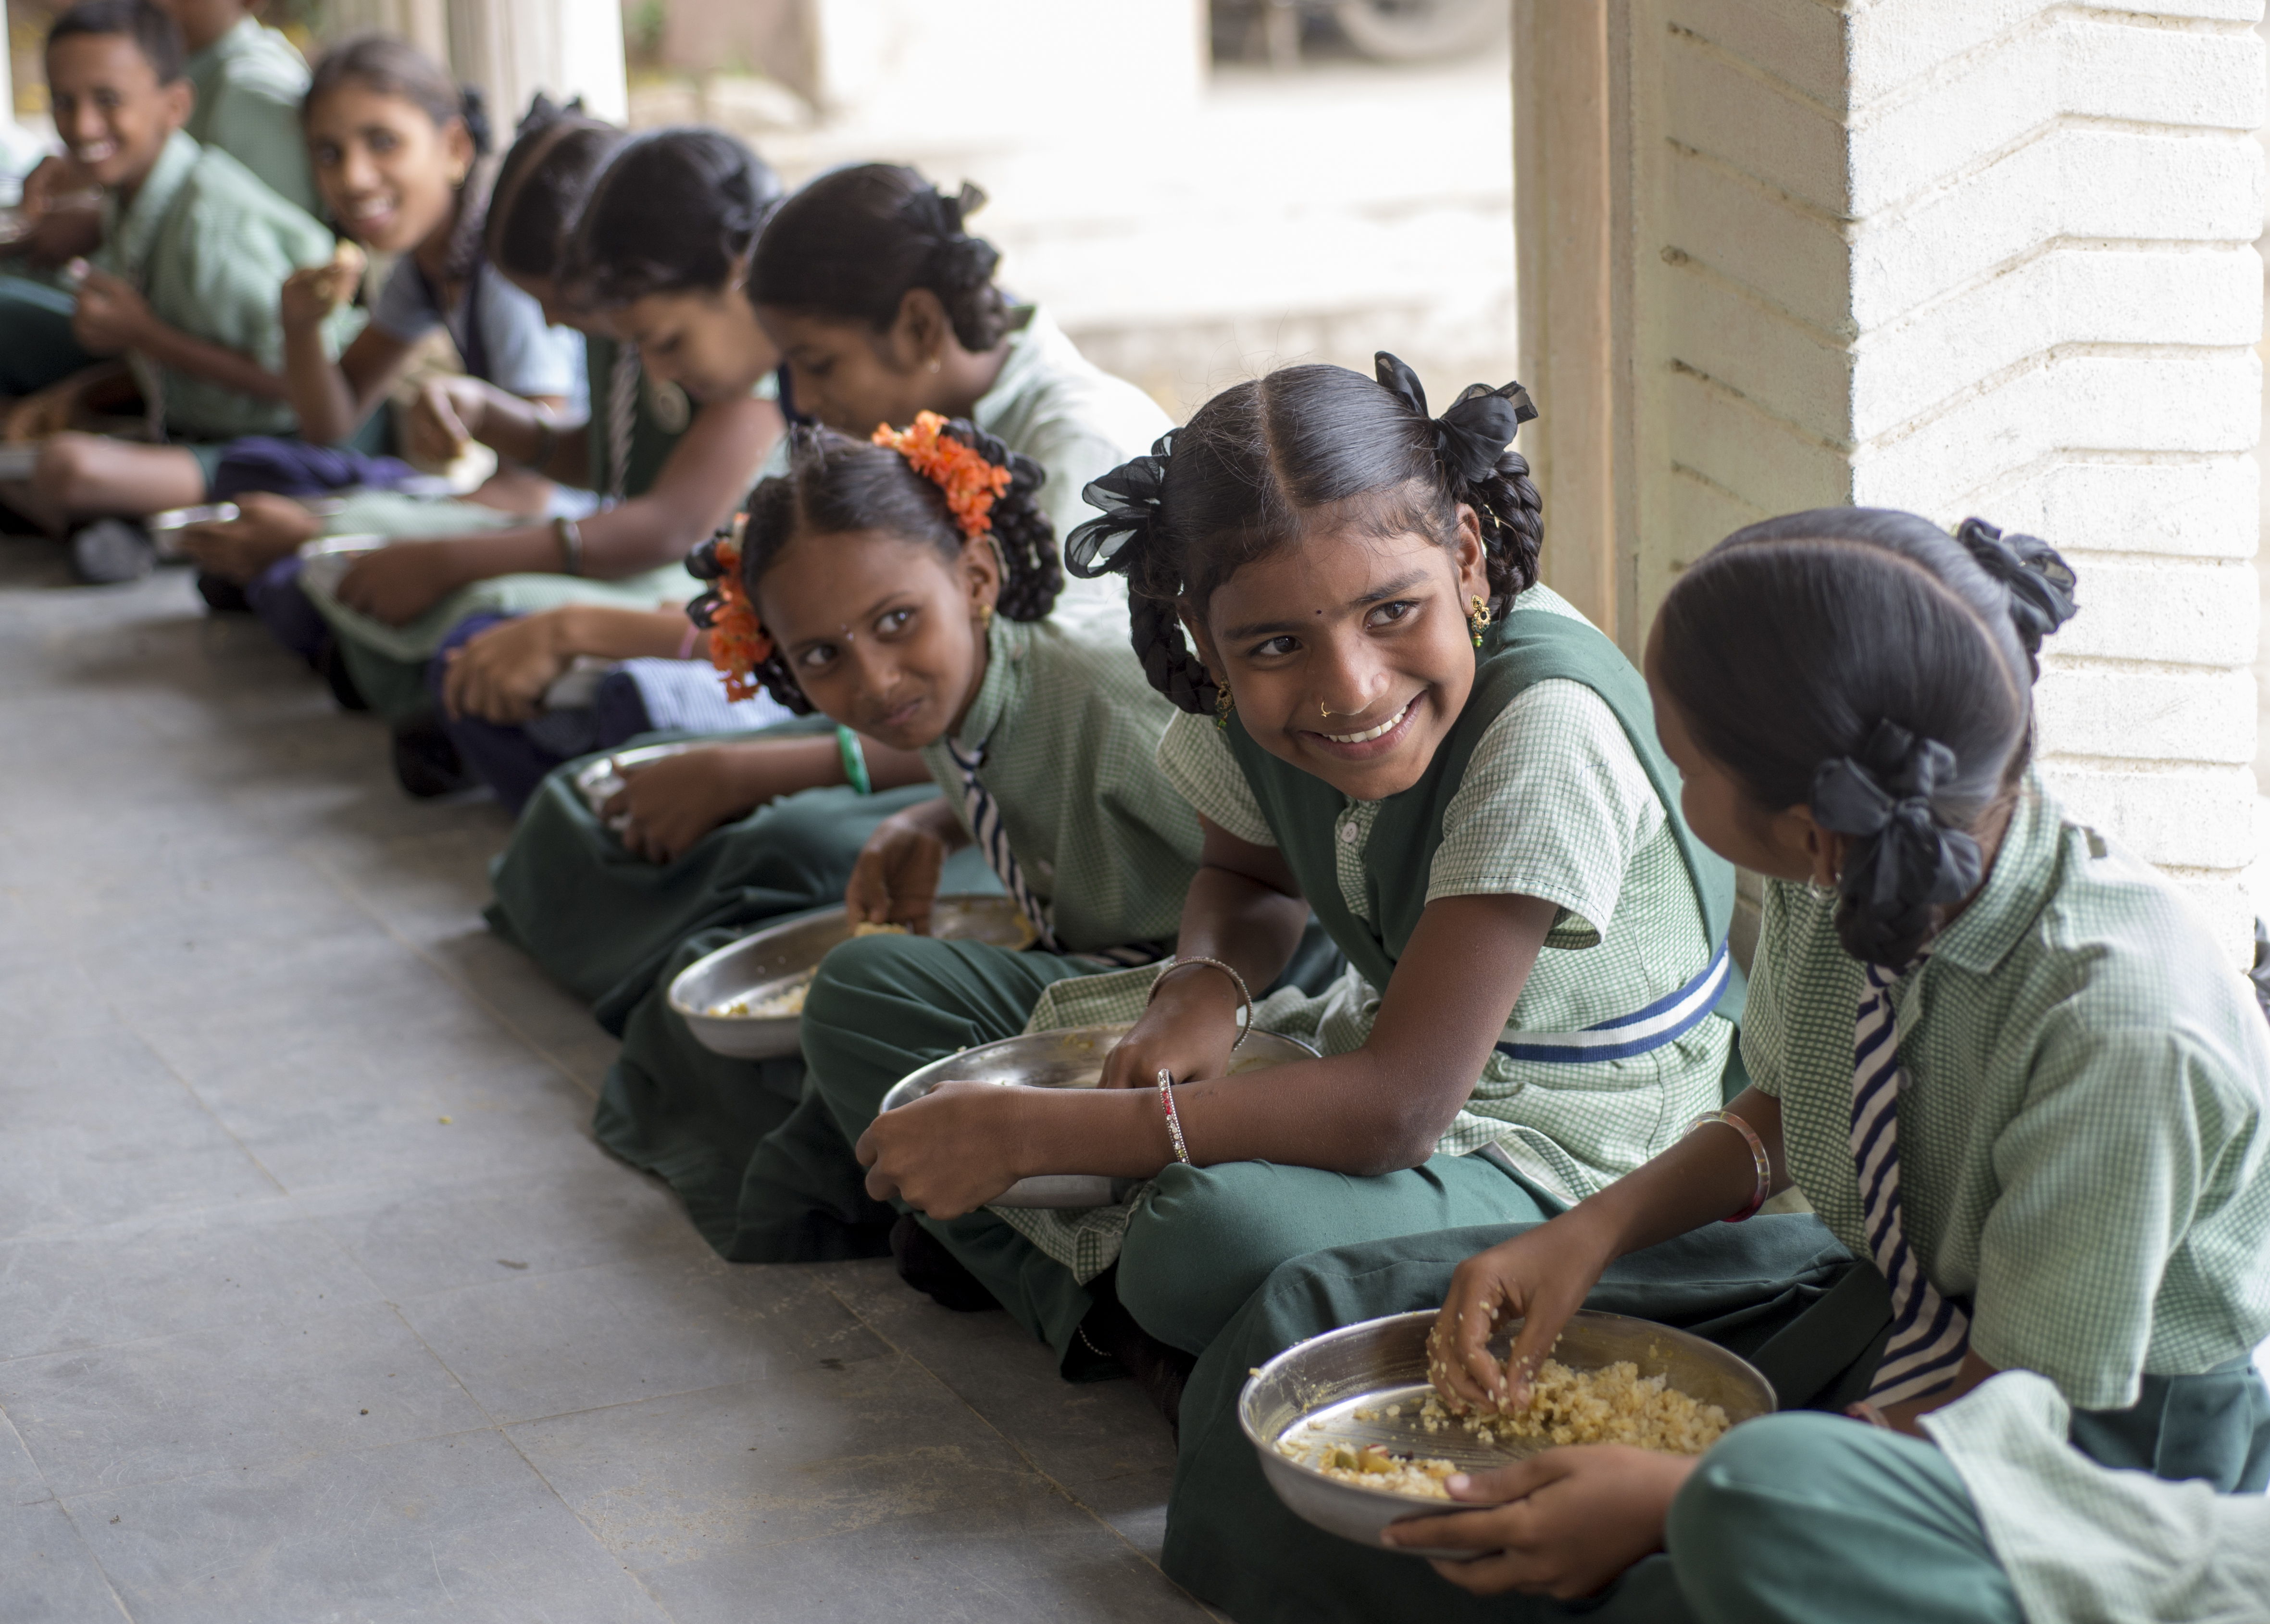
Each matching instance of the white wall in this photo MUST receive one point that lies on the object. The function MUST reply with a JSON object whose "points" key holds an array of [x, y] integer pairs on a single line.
{"points": [[1989, 257]]}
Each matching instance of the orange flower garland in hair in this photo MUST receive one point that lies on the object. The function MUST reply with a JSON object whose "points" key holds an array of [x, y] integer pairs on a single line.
{"points": [[738, 641], [969, 481]]}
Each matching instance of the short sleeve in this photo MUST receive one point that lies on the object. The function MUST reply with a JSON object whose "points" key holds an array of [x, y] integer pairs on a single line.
{"points": [[1553, 805], [526, 355], [404, 309], [1195, 759], [2099, 1178]]}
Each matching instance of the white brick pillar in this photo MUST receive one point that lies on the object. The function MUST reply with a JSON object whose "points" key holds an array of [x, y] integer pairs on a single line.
{"points": [[513, 49], [1989, 257]]}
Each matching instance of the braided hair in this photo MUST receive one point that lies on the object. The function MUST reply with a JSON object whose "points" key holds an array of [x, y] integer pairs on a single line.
{"points": [[673, 210], [1893, 697], [856, 241], [1261, 461], [836, 484]]}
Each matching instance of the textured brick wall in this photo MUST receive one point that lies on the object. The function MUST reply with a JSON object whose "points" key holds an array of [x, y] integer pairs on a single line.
{"points": [[1979, 256]]}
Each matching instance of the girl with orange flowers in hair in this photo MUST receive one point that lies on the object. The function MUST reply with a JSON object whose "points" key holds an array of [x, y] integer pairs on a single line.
{"points": [[902, 586]]}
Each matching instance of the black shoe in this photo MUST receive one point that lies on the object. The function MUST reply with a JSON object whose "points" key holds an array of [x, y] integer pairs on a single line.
{"points": [[1109, 1336], [427, 763], [925, 1264], [110, 551], [222, 596], [332, 662]]}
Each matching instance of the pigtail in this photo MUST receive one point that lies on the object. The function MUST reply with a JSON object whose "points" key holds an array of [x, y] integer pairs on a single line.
{"points": [[1155, 630], [1023, 538], [2039, 581], [732, 561], [1513, 527], [959, 267]]}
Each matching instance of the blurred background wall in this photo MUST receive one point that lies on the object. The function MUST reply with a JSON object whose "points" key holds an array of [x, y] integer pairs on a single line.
{"points": [[1197, 191]]}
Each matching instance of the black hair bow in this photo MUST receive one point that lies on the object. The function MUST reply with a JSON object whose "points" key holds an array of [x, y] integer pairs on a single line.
{"points": [[1903, 858], [1128, 500], [1473, 434], [2040, 581]]}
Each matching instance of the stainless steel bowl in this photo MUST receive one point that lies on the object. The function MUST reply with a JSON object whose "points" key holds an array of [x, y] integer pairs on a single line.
{"points": [[1070, 1057], [601, 781], [764, 965], [1381, 1364]]}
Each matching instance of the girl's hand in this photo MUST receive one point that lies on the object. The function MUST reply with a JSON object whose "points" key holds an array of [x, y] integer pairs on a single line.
{"points": [[1186, 1031], [500, 674], [1564, 1523], [311, 295], [399, 583], [896, 880], [447, 417], [111, 315], [266, 527], [949, 1153], [1541, 1276], [667, 806]]}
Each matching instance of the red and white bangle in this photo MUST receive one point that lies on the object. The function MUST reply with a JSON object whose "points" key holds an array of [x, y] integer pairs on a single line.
{"points": [[1763, 1162], [1174, 1123]]}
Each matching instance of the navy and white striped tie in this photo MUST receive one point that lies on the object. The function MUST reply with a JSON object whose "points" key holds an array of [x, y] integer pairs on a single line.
{"points": [[622, 416], [984, 815], [1929, 1333]]}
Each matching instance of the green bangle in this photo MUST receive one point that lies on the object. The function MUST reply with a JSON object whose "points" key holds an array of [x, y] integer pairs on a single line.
{"points": [[855, 760]]}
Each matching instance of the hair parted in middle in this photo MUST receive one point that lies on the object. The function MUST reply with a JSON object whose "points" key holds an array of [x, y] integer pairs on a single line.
{"points": [[1265, 463], [674, 211], [836, 484]]}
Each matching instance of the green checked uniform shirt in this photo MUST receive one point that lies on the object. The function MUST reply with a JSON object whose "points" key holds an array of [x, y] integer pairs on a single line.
{"points": [[1554, 804], [1069, 727], [208, 246], [249, 83], [2082, 1148]]}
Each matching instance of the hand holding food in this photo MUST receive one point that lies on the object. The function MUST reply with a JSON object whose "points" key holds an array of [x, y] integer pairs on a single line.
{"points": [[311, 294], [111, 315], [1186, 1031], [949, 1153], [895, 879], [444, 420], [665, 806], [1541, 1277]]}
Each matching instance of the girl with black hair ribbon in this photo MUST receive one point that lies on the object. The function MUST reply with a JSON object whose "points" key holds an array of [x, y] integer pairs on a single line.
{"points": [[2008, 1070]]}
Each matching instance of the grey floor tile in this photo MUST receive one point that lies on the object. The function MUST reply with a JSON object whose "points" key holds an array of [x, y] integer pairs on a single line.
{"points": [[555, 1344], [236, 1396], [21, 1481], [417, 1241], [865, 1493], [151, 1276], [114, 1137], [47, 1576], [1086, 1435], [445, 1530]]}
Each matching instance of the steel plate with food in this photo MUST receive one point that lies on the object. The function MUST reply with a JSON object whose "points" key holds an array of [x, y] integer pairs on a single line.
{"points": [[1070, 1057], [745, 999], [1351, 1435], [601, 781]]}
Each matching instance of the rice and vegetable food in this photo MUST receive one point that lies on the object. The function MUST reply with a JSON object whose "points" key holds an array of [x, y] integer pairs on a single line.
{"points": [[787, 999], [1613, 1405]]}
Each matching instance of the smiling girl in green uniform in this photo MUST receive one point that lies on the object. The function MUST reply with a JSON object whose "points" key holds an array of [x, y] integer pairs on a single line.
{"points": [[1999, 1056], [1386, 719], [904, 590]]}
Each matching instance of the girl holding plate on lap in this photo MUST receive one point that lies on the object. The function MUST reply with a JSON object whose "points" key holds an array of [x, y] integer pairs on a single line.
{"points": [[2001, 1059]]}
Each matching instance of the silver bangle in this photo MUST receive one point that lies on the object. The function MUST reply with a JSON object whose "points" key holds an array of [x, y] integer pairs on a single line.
{"points": [[1174, 1122], [569, 535], [1244, 995]]}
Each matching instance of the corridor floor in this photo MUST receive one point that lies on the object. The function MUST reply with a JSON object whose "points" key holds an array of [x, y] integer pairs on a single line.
{"points": [[317, 1300]]}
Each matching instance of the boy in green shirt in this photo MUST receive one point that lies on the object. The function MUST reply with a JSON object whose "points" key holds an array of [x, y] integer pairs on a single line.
{"points": [[250, 81], [186, 285]]}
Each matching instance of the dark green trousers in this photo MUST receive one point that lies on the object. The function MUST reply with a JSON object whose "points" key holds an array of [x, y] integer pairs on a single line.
{"points": [[600, 920], [1793, 1509], [36, 345]]}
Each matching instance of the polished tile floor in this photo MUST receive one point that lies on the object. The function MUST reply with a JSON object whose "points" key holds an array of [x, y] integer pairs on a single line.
{"points": [[317, 1301]]}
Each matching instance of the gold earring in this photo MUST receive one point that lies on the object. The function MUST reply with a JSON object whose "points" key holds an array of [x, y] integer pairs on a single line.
{"points": [[935, 364], [984, 614], [1478, 619], [1223, 704]]}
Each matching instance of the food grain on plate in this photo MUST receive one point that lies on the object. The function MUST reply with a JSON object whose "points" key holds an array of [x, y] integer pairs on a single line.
{"points": [[788, 1000]]}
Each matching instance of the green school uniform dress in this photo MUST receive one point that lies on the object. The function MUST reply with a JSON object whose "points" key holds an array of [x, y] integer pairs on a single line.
{"points": [[1549, 785], [2082, 1163], [249, 83], [208, 246], [601, 922], [636, 421], [1066, 725]]}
